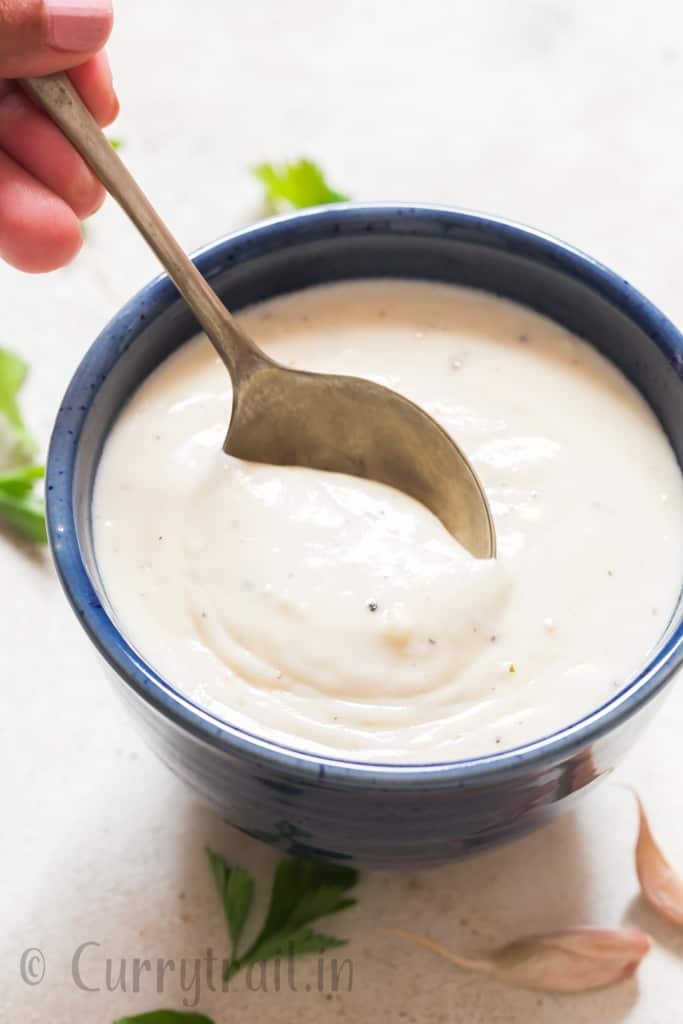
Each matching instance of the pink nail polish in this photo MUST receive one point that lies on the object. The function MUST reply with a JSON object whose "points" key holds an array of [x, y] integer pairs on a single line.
{"points": [[78, 25]]}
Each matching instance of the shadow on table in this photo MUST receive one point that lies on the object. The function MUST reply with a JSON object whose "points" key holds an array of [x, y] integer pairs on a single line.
{"points": [[35, 553]]}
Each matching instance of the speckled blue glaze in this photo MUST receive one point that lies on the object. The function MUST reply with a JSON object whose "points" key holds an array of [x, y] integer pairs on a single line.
{"points": [[370, 814]]}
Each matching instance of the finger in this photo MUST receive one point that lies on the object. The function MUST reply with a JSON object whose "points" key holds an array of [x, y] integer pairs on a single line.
{"points": [[35, 142], [94, 82], [40, 36], [38, 231]]}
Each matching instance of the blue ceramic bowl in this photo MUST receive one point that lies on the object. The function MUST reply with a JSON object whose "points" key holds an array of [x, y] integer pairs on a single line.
{"points": [[308, 804]]}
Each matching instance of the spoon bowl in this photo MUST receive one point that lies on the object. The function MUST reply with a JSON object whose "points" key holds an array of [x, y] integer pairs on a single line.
{"points": [[349, 425], [283, 416]]}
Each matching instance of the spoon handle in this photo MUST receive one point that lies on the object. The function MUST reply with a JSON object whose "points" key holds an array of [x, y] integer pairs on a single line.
{"points": [[59, 98]]}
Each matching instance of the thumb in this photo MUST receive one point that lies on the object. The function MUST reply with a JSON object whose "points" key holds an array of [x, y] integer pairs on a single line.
{"points": [[41, 36]]}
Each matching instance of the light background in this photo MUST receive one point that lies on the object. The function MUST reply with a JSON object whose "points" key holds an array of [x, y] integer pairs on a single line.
{"points": [[565, 115]]}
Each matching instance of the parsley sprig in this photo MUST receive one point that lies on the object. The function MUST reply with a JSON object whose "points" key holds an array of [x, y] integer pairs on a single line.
{"points": [[165, 1017], [298, 184], [302, 892], [20, 509]]}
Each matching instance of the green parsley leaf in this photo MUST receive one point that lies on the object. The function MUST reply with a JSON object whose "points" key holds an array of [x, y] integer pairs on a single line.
{"points": [[116, 143], [302, 892], [296, 184], [19, 508], [13, 371], [165, 1017], [236, 890], [16, 444], [287, 943], [18, 483], [27, 515]]}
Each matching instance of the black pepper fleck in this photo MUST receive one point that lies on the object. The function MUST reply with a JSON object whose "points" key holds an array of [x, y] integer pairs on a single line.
{"points": [[432, 640], [373, 606]]}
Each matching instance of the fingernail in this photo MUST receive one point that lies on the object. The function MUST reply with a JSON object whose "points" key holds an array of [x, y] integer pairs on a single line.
{"points": [[79, 26]]}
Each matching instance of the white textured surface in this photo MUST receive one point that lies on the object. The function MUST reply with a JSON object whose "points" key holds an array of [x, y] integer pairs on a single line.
{"points": [[565, 115]]}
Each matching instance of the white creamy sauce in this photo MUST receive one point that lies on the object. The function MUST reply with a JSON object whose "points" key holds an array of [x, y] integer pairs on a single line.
{"points": [[334, 614]]}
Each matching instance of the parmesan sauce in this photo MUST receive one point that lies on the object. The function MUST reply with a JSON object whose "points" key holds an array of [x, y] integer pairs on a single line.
{"points": [[337, 615]]}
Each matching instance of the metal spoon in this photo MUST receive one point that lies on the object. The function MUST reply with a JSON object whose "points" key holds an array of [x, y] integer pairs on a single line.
{"points": [[290, 417]]}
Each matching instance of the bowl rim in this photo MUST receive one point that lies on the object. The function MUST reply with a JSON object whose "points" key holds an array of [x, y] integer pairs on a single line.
{"points": [[180, 710]]}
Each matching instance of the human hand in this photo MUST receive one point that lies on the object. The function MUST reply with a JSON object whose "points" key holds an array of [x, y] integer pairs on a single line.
{"points": [[46, 188]]}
